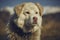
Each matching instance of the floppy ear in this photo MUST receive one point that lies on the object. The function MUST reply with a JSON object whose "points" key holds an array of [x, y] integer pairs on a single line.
{"points": [[18, 9], [40, 8]]}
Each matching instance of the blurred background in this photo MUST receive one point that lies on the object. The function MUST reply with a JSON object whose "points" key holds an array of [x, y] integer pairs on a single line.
{"points": [[4, 3], [51, 18]]}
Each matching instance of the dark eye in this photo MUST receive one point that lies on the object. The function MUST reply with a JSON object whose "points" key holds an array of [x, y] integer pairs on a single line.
{"points": [[36, 12], [27, 12]]}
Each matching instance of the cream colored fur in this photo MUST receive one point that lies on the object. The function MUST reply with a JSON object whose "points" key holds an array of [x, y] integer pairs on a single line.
{"points": [[25, 13], [25, 18]]}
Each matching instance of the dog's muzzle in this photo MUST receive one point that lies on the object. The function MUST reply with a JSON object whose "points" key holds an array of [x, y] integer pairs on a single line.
{"points": [[34, 20]]}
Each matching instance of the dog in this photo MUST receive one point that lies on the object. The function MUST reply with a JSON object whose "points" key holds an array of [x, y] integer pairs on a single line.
{"points": [[25, 23]]}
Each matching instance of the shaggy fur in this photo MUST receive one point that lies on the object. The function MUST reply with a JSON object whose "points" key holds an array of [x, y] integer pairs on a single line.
{"points": [[51, 25], [25, 24]]}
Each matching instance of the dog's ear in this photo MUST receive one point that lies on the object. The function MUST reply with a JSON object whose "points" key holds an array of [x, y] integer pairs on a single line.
{"points": [[40, 8], [18, 9]]}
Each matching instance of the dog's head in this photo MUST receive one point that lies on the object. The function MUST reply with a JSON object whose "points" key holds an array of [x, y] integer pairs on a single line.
{"points": [[29, 16]]}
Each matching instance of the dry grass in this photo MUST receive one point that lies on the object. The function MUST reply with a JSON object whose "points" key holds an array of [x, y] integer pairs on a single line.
{"points": [[50, 26]]}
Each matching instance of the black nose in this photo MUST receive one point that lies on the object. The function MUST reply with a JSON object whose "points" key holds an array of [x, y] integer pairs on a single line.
{"points": [[35, 19]]}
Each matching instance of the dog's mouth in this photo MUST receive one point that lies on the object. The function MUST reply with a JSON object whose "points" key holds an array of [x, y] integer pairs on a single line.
{"points": [[34, 23]]}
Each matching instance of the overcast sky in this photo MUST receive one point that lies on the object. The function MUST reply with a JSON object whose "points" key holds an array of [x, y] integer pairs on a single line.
{"points": [[4, 3]]}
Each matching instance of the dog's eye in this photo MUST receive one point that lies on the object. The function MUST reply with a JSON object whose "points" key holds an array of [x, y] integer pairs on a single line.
{"points": [[27, 12], [36, 12]]}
